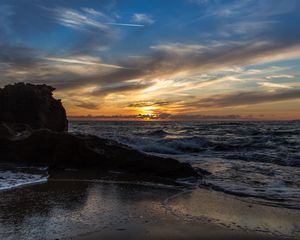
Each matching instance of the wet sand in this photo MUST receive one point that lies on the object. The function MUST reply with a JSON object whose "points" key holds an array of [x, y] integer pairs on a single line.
{"points": [[97, 210]]}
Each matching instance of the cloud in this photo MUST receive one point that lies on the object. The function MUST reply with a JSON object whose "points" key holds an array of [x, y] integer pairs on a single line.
{"points": [[31, 65], [280, 76], [205, 117], [247, 8], [87, 105], [245, 18], [149, 104], [104, 117], [118, 88], [247, 98], [157, 116], [180, 49], [82, 50], [167, 61], [92, 29], [19, 56], [88, 18], [95, 13], [125, 24], [161, 116], [274, 85], [170, 65], [142, 18], [79, 20], [82, 60]]}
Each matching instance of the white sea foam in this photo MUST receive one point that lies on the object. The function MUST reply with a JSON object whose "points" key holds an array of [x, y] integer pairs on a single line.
{"points": [[257, 159], [13, 179]]}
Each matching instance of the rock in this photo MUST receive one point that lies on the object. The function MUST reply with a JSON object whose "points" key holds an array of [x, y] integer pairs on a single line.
{"points": [[64, 150], [6, 132], [15, 131], [33, 105], [32, 133]]}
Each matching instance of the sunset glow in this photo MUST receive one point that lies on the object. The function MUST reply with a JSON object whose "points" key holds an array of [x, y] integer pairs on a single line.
{"points": [[156, 60]]}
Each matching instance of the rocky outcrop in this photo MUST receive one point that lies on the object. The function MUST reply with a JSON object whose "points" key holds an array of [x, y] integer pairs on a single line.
{"points": [[6, 132], [63, 150], [32, 132], [32, 105]]}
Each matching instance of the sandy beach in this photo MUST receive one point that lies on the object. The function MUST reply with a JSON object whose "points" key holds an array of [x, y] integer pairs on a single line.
{"points": [[62, 209]]}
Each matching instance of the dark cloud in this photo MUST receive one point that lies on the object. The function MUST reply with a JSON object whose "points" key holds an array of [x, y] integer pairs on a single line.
{"points": [[125, 87], [103, 117], [168, 60], [204, 117], [155, 116], [19, 56], [86, 33], [87, 105], [149, 103], [161, 116], [247, 98], [164, 61]]}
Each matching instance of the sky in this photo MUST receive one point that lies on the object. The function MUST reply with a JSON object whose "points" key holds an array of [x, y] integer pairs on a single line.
{"points": [[158, 59]]}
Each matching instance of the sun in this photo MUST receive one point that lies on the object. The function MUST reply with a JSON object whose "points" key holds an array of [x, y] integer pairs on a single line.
{"points": [[148, 110], [148, 113]]}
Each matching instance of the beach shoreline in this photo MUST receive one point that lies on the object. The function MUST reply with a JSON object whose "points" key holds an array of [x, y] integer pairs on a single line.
{"points": [[175, 231], [87, 210]]}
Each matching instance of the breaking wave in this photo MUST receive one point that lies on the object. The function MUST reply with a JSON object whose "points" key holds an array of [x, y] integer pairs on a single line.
{"points": [[13, 178], [256, 159]]}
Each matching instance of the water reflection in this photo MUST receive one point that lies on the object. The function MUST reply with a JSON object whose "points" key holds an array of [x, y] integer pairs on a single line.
{"points": [[237, 213], [69, 208], [63, 209]]}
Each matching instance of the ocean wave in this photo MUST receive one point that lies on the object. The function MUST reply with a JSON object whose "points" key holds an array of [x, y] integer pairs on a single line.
{"points": [[266, 182], [279, 158], [12, 179], [248, 152], [177, 145], [276, 142], [157, 133]]}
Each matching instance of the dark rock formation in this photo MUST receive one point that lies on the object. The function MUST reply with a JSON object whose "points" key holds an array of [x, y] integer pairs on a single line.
{"points": [[33, 105], [5, 131], [32, 133], [63, 150]]}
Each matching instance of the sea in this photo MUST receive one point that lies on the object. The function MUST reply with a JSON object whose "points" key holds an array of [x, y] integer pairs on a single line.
{"points": [[258, 160]]}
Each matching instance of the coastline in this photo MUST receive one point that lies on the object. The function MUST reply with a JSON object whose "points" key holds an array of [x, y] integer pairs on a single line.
{"points": [[193, 232], [87, 210], [176, 231]]}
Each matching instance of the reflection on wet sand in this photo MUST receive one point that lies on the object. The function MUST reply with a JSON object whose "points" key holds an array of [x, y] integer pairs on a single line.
{"points": [[93, 210], [237, 213], [61, 209]]}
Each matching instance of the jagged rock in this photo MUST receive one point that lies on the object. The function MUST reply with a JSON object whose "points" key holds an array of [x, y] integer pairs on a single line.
{"points": [[32, 133], [6, 132], [33, 105], [63, 150]]}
